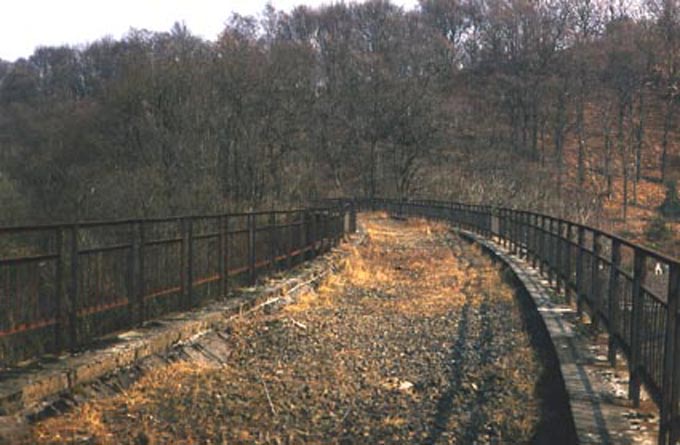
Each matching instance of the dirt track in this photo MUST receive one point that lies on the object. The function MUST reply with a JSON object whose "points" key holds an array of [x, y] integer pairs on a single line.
{"points": [[417, 340]]}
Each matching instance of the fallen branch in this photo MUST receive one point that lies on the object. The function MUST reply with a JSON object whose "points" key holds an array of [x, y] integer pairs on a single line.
{"points": [[298, 324], [269, 399], [346, 414]]}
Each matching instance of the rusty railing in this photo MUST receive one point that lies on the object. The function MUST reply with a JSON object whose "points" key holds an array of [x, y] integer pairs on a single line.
{"points": [[64, 286]]}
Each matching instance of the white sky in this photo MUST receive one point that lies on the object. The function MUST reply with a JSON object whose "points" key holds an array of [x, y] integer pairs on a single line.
{"points": [[25, 24]]}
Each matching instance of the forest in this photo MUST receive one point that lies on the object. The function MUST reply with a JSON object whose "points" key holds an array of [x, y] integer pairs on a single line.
{"points": [[565, 106]]}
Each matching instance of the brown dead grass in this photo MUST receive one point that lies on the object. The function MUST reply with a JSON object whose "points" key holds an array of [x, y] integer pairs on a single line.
{"points": [[437, 278]]}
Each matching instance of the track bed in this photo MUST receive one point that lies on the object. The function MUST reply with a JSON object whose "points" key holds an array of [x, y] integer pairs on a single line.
{"points": [[416, 339]]}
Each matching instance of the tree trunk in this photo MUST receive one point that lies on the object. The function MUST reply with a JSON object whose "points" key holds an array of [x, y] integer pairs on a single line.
{"points": [[372, 160], [559, 135], [608, 154], [534, 132], [581, 142], [639, 140], [542, 143], [667, 124], [624, 158]]}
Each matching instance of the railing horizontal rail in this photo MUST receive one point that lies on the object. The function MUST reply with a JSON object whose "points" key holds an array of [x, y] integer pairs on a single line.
{"points": [[27, 259], [104, 249], [160, 242]]}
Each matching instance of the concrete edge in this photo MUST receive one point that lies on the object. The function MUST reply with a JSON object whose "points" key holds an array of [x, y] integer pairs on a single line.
{"points": [[596, 420], [25, 391]]}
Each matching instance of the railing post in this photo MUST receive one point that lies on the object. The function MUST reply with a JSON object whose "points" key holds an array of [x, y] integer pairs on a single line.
{"points": [[499, 225], [187, 262], [74, 297], [489, 222], [529, 236], [290, 219], [555, 231], [489, 217], [142, 271], [517, 235], [464, 217], [525, 236], [320, 237], [337, 223], [318, 232], [326, 238], [614, 303], [352, 218], [550, 251], [482, 221], [136, 275], [668, 431], [567, 268], [251, 248], [506, 228], [535, 260], [313, 233], [537, 243], [639, 273], [190, 263], [274, 240], [62, 326], [502, 227], [519, 229], [559, 255], [541, 244], [579, 270], [514, 232], [595, 280], [674, 430], [474, 219], [526, 222], [222, 250], [339, 228]]}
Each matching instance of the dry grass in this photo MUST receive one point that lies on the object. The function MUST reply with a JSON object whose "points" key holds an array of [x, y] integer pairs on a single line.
{"points": [[438, 278]]}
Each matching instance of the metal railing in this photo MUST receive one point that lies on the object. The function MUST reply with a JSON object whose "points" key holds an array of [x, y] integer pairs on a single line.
{"points": [[629, 290], [64, 286]]}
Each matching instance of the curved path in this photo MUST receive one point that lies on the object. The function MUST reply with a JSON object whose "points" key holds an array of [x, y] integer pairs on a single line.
{"points": [[416, 339]]}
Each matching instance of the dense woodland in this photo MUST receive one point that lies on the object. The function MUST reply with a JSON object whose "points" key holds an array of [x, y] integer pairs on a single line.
{"points": [[568, 106]]}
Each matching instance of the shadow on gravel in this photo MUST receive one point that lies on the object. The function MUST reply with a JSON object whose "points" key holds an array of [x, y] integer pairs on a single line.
{"points": [[556, 425], [473, 429], [445, 403]]}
